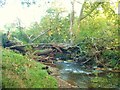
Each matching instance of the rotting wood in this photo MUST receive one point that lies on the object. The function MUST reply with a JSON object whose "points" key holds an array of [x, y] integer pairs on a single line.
{"points": [[43, 52]]}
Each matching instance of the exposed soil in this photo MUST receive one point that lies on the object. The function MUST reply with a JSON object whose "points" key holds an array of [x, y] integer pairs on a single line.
{"points": [[64, 84]]}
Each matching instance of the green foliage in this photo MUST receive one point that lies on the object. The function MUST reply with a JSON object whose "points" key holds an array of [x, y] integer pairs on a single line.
{"points": [[20, 35], [105, 82], [97, 36], [99, 28], [21, 72], [58, 26], [101, 31]]}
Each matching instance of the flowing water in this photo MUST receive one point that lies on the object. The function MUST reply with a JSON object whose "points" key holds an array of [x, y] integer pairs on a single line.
{"points": [[76, 74]]}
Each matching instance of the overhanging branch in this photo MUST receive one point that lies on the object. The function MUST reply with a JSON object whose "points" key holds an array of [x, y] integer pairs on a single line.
{"points": [[81, 18], [42, 33]]}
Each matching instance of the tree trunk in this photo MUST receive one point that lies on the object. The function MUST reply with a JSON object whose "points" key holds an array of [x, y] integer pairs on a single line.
{"points": [[81, 16], [71, 23]]}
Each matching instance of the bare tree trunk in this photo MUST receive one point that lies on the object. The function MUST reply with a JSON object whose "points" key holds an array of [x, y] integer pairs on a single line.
{"points": [[71, 23], [81, 14]]}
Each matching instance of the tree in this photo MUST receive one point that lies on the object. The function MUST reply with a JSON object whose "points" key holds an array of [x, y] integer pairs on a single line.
{"points": [[82, 16], [84, 12], [71, 22]]}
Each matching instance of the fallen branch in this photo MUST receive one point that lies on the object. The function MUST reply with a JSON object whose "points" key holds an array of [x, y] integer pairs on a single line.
{"points": [[108, 70], [43, 52], [42, 33], [17, 40], [86, 61], [30, 44]]}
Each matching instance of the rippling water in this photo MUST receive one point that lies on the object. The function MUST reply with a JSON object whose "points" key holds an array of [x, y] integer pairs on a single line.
{"points": [[76, 74]]}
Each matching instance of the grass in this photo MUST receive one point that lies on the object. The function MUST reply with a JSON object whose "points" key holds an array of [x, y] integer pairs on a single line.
{"points": [[20, 72]]}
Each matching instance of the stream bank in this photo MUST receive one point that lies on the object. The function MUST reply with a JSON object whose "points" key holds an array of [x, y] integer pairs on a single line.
{"points": [[72, 75], [61, 82], [72, 72]]}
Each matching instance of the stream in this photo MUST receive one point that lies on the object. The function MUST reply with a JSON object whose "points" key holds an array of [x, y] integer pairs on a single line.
{"points": [[76, 74]]}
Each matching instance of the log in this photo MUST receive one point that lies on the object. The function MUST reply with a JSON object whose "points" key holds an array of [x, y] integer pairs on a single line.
{"points": [[42, 52], [20, 49], [108, 70], [47, 49], [39, 45]]}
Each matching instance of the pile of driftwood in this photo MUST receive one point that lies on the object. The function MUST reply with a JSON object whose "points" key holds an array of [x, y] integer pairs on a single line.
{"points": [[44, 52]]}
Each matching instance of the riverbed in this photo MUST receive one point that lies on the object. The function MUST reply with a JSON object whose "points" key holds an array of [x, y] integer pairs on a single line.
{"points": [[78, 75]]}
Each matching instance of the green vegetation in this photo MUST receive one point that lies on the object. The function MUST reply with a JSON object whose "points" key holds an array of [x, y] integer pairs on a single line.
{"points": [[106, 82], [95, 31], [96, 34], [20, 72]]}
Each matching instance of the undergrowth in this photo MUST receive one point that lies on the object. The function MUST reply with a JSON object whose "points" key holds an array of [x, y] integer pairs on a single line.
{"points": [[20, 72]]}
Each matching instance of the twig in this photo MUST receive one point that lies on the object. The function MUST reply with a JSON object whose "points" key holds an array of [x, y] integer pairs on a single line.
{"points": [[86, 61]]}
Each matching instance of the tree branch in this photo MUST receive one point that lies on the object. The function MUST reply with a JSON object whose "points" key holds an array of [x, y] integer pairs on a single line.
{"points": [[42, 33], [81, 18]]}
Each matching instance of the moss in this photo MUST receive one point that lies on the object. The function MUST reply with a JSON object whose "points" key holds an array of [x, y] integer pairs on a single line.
{"points": [[20, 72]]}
